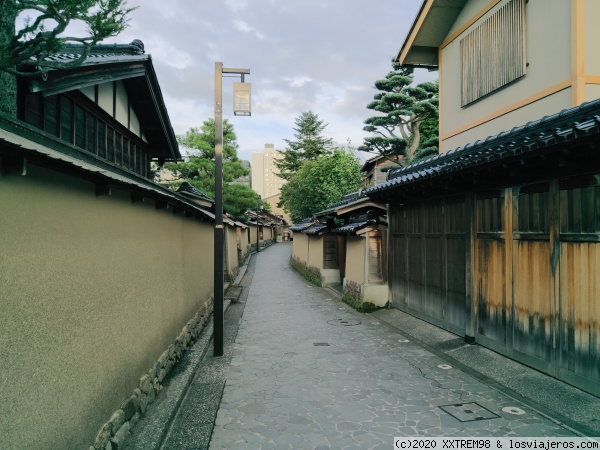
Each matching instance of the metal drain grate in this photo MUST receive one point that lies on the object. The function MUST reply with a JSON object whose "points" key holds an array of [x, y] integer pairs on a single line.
{"points": [[344, 322], [320, 344], [469, 412]]}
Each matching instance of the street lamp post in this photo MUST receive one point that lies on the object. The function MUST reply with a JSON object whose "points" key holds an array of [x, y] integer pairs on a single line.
{"points": [[241, 107], [257, 227]]}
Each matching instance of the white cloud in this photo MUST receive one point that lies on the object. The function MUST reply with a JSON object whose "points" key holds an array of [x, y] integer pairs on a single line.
{"points": [[242, 26], [236, 5], [319, 55], [298, 81]]}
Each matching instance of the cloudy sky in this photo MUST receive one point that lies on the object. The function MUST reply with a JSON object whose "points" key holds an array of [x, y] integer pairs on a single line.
{"points": [[319, 55]]}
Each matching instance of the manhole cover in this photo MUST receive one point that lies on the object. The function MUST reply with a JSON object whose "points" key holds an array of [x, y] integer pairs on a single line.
{"points": [[513, 410], [469, 412], [320, 344], [344, 322]]}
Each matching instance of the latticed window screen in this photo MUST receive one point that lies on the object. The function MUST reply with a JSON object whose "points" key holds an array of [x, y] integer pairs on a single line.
{"points": [[75, 120], [493, 54]]}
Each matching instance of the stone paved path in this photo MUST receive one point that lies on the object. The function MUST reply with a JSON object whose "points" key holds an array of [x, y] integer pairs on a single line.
{"points": [[308, 372]]}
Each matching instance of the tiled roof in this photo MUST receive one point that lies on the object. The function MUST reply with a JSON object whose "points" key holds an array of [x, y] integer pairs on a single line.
{"points": [[187, 188], [301, 226], [350, 227], [315, 229], [116, 62], [102, 53], [564, 127], [347, 199]]}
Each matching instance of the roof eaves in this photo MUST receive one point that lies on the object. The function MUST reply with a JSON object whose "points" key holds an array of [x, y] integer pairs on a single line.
{"points": [[562, 127], [316, 230], [111, 62], [351, 227], [16, 135]]}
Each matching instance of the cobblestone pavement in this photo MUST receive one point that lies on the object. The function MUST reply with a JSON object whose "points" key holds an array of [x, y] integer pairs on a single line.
{"points": [[308, 372]]}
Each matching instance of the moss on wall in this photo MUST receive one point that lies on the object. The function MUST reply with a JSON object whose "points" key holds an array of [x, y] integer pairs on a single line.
{"points": [[311, 274], [352, 296]]}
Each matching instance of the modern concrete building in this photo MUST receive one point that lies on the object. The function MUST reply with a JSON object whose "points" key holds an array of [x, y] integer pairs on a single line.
{"points": [[265, 181]]}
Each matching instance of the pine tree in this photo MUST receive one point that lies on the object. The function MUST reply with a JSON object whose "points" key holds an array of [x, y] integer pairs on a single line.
{"points": [[199, 167], [404, 109], [26, 51], [309, 144]]}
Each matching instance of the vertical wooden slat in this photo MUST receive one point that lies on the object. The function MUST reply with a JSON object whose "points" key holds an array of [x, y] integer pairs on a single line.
{"points": [[470, 237], [493, 53]]}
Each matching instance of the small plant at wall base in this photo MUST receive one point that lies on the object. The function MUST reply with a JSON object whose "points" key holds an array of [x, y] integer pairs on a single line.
{"points": [[352, 297], [310, 274]]}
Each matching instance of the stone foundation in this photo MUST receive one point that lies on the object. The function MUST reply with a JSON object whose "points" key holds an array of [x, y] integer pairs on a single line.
{"points": [[113, 433]]}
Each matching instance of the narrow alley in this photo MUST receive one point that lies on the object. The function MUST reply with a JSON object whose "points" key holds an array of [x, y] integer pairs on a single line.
{"points": [[302, 370]]}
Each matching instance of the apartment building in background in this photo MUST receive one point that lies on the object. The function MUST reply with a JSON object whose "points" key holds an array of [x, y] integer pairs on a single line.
{"points": [[265, 181]]}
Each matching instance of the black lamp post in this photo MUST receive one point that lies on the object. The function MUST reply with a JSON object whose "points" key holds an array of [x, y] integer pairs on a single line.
{"points": [[258, 207], [241, 107]]}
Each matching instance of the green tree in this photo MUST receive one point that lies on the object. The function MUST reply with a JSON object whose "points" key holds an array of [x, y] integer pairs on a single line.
{"points": [[321, 182], [308, 145], [405, 112], [429, 130], [26, 51], [199, 167]]}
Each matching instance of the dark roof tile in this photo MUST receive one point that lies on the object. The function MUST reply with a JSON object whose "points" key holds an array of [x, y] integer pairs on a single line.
{"points": [[564, 126]]}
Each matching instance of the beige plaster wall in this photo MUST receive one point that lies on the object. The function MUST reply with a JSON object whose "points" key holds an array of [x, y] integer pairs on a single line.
{"points": [[300, 246], [92, 290], [315, 251], [592, 37], [548, 28], [267, 233], [592, 92], [519, 117], [253, 234], [232, 253], [355, 259], [244, 241]]}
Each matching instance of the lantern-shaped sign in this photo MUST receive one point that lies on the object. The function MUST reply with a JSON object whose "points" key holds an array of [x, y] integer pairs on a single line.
{"points": [[241, 99]]}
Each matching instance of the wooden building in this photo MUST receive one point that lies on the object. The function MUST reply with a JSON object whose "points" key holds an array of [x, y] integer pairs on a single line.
{"points": [[314, 251], [375, 169], [360, 245], [498, 238]]}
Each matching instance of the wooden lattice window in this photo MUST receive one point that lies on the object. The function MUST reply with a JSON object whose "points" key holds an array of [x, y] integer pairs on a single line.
{"points": [[330, 252], [580, 206], [74, 119], [490, 212], [493, 54]]}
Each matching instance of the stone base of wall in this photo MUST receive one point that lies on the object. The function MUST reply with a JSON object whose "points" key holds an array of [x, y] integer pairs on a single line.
{"points": [[364, 298], [376, 294], [114, 432], [310, 273], [330, 277]]}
